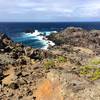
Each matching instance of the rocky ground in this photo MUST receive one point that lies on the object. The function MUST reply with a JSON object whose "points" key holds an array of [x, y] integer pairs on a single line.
{"points": [[68, 71]]}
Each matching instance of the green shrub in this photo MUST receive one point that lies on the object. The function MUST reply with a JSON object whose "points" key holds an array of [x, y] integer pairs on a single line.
{"points": [[91, 72], [96, 74], [61, 59], [50, 63], [95, 61], [84, 70]]}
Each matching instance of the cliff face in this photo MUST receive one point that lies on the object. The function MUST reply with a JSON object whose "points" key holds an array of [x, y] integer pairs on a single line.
{"points": [[68, 71]]}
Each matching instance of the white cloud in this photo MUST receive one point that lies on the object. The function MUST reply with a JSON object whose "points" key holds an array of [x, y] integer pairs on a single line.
{"points": [[40, 9], [90, 9], [66, 9]]}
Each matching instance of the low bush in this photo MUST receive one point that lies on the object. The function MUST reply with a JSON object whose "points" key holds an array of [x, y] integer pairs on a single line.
{"points": [[50, 63]]}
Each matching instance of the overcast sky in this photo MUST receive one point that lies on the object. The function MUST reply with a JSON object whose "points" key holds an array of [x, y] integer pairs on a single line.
{"points": [[49, 10]]}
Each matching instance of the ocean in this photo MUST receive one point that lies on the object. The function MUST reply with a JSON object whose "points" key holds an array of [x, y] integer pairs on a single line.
{"points": [[16, 31]]}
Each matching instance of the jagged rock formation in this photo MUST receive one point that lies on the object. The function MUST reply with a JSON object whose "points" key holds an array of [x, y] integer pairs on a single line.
{"points": [[78, 37], [68, 71]]}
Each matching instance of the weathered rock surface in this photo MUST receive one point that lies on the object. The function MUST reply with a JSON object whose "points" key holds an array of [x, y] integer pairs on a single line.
{"points": [[78, 37], [62, 85], [68, 71]]}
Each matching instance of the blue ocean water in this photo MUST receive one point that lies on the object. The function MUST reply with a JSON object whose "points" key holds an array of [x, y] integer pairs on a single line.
{"points": [[16, 31]]}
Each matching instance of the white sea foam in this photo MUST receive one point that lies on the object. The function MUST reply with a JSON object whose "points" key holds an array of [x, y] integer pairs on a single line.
{"points": [[40, 37], [45, 47], [51, 43], [47, 33], [36, 35]]}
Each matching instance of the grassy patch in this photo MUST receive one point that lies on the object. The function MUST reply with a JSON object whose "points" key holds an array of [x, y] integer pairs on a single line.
{"points": [[84, 70], [91, 72], [95, 61], [61, 59], [50, 63], [54, 62], [96, 74]]}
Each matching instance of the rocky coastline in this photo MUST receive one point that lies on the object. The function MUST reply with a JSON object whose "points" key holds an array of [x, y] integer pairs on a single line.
{"points": [[68, 71]]}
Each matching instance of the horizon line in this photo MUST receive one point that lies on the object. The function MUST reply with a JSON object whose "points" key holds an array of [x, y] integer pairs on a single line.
{"points": [[46, 21]]}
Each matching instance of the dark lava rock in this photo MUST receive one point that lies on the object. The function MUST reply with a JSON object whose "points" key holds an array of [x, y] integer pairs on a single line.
{"points": [[14, 86], [78, 37], [4, 41]]}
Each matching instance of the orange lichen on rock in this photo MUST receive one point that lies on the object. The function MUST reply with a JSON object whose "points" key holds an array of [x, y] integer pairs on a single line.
{"points": [[49, 91]]}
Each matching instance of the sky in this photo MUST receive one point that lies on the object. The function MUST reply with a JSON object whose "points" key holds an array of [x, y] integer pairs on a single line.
{"points": [[49, 10]]}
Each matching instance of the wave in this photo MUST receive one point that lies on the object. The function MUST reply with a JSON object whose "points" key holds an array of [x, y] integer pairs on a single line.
{"points": [[34, 40]]}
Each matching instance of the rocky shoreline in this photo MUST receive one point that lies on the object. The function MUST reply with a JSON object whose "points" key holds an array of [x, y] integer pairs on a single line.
{"points": [[68, 71]]}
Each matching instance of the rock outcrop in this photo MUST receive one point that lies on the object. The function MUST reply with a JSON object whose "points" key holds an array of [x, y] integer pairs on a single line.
{"points": [[68, 71], [78, 37]]}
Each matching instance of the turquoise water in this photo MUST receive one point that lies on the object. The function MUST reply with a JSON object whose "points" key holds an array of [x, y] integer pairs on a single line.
{"points": [[29, 40]]}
